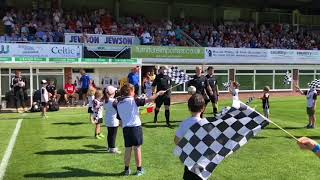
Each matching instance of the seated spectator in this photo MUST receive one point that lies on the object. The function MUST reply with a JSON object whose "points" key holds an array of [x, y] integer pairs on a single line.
{"points": [[52, 91], [98, 29], [70, 93]]}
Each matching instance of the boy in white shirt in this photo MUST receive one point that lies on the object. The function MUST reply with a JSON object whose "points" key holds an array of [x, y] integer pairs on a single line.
{"points": [[128, 109], [44, 98], [196, 105]]}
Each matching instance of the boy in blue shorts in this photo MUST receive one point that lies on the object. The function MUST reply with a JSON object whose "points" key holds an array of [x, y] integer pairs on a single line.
{"points": [[128, 110]]}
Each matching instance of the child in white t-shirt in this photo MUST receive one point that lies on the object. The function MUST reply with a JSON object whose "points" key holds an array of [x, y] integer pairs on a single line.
{"points": [[91, 93], [128, 109], [112, 122], [196, 105], [234, 90], [97, 109], [44, 98]]}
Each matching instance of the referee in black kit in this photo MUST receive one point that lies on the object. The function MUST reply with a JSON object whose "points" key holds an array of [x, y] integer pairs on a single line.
{"points": [[200, 82], [162, 83], [213, 90]]}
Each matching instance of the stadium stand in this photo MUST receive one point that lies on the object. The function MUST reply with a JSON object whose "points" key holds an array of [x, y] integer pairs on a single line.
{"points": [[50, 26]]}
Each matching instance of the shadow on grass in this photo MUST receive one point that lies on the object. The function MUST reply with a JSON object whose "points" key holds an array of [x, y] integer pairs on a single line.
{"points": [[93, 146], [287, 128], [70, 151], [259, 137], [158, 126], [68, 137], [69, 123], [71, 173]]}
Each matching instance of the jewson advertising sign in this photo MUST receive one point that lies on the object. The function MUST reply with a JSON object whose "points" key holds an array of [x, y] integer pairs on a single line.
{"points": [[100, 39], [167, 52], [40, 50]]}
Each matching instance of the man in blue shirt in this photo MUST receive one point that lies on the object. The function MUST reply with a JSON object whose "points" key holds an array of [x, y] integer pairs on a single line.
{"points": [[134, 79], [85, 82]]}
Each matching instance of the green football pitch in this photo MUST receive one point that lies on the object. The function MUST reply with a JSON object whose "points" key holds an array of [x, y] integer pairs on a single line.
{"points": [[63, 147]]}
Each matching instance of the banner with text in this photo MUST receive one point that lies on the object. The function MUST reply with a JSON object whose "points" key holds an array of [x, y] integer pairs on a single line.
{"points": [[70, 60], [40, 50], [100, 39], [167, 52], [260, 54]]}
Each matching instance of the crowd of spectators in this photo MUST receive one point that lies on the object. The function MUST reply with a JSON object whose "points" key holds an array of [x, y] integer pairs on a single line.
{"points": [[50, 26]]}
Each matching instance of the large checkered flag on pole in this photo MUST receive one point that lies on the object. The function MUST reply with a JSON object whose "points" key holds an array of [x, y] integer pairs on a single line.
{"points": [[315, 84], [177, 76], [287, 78], [206, 144]]}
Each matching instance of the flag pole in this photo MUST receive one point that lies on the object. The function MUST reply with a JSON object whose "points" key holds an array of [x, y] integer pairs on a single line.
{"points": [[283, 130], [177, 85]]}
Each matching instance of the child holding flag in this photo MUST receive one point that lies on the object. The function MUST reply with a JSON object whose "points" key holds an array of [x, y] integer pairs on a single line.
{"points": [[128, 109], [311, 95], [112, 122], [196, 105]]}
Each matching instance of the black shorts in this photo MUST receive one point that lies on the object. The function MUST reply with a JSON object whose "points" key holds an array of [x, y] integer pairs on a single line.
{"points": [[84, 90], [166, 100], [44, 104], [213, 99], [100, 121], [90, 110], [133, 136]]}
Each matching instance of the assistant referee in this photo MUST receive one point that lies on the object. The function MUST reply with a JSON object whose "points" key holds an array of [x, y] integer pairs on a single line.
{"points": [[213, 90], [200, 82], [162, 82]]}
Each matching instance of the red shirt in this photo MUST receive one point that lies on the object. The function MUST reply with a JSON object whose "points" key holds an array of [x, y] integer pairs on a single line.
{"points": [[70, 88]]}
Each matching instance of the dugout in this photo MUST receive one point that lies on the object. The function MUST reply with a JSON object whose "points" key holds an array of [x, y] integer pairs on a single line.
{"points": [[102, 71]]}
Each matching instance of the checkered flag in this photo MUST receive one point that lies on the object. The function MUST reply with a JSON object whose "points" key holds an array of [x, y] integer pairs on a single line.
{"points": [[226, 85], [287, 78], [177, 76], [315, 84], [206, 144], [250, 100]]}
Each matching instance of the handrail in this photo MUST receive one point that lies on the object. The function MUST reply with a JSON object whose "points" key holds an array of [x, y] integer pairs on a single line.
{"points": [[194, 42]]}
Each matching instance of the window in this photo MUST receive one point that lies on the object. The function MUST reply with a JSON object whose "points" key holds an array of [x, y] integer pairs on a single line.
{"points": [[246, 81], [264, 80], [58, 80], [305, 77], [77, 70]]}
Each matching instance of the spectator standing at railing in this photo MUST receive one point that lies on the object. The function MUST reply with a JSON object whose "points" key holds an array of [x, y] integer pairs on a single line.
{"points": [[146, 37], [98, 29], [8, 23]]}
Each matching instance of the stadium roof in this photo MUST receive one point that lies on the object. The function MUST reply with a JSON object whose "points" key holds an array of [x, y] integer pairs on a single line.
{"points": [[303, 5]]}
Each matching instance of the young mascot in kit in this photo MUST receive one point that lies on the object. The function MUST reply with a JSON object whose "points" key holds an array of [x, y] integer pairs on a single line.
{"points": [[311, 95], [112, 122], [44, 98], [196, 105], [265, 101], [97, 108], [234, 90], [91, 93], [128, 109]]}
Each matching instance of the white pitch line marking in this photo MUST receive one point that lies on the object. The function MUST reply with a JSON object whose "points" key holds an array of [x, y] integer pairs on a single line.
{"points": [[7, 155]]}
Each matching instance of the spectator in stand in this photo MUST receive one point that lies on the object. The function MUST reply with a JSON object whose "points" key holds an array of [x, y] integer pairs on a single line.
{"points": [[70, 92], [8, 23], [98, 29], [146, 38]]}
